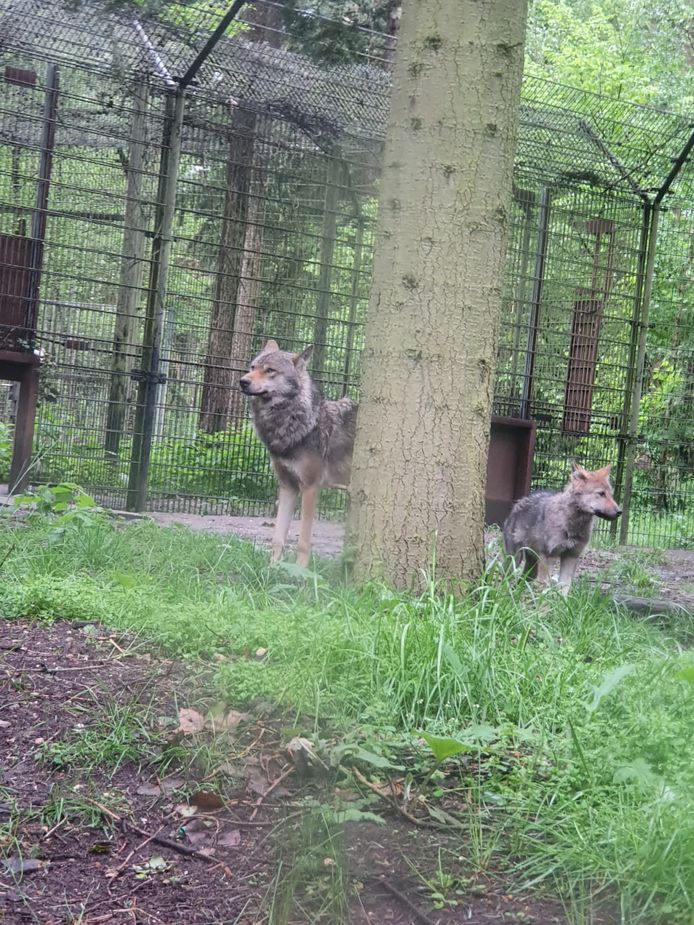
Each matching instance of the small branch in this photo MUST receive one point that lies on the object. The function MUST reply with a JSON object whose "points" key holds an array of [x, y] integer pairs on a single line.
{"points": [[406, 901], [425, 823], [158, 839], [121, 867], [275, 783]]}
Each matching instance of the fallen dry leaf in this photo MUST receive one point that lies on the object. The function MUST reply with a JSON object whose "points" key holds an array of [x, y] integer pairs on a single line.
{"points": [[151, 789], [190, 721], [17, 865], [206, 800], [303, 754], [182, 809], [229, 721], [257, 781], [229, 839]]}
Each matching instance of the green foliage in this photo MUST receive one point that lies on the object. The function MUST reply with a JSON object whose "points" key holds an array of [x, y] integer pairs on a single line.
{"points": [[626, 49], [342, 29], [578, 717], [443, 747], [232, 465], [121, 736], [6, 438], [55, 499]]}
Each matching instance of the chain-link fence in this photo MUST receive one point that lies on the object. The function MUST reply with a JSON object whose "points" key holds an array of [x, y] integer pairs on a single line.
{"points": [[182, 227]]}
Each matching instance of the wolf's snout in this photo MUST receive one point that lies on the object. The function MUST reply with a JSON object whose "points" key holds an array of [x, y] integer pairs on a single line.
{"points": [[610, 515], [245, 384]]}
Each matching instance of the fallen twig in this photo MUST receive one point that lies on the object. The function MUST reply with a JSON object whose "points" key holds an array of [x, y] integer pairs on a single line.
{"points": [[119, 870], [158, 839], [406, 901], [267, 793], [425, 823]]}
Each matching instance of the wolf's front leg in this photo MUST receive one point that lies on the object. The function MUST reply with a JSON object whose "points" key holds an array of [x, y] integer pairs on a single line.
{"points": [[567, 569], [309, 502], [285, 512], [544, 569]]}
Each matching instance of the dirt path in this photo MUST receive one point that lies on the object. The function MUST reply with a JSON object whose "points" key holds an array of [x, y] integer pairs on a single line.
{"points": [[108, 814]]}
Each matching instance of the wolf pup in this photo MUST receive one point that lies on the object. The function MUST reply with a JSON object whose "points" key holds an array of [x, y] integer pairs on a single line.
{"points": [[549, 525], [310, 439]]}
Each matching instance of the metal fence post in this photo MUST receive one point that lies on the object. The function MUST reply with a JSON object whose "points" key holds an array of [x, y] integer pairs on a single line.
{"points": [[635, 409], [148, 375], [40, 214], [618, 476], [535, 302]]}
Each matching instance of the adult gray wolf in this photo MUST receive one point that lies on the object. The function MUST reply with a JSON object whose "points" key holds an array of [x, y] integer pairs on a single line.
{"points": [[550, 525], [310, 439]]}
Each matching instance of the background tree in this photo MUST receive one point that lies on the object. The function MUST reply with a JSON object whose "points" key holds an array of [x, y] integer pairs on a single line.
{"points": [[238, 262], [429, 358]]}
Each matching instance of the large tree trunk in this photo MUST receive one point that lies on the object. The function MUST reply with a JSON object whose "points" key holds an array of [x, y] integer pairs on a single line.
{"points": [[428, 365]]}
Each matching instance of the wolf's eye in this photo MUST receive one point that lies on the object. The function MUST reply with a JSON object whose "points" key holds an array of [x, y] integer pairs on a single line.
{"points": [[602, 494], [269, 370]]}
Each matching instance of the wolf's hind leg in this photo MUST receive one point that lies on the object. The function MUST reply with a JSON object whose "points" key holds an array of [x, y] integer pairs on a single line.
{"points": [[309, 501]]}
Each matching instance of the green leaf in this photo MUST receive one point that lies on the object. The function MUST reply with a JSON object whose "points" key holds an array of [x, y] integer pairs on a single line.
{"points": [[609, 682], [481, 733], [125, 581], [355, 815], [378, 761], [444, 747], [453, 660], [686, 674], [637, 772]]}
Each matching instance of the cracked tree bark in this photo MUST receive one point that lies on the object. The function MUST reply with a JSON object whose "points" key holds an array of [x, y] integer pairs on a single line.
{"points": [[419, 472]]}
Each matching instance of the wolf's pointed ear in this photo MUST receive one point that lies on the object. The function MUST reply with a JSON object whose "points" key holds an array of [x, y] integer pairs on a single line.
{"points": [[301, 359], [577, 471], [605, 471], [270, 346]]}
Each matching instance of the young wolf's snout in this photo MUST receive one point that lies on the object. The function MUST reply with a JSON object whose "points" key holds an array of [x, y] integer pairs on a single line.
{"points": [[547, 525], [310, 439]]}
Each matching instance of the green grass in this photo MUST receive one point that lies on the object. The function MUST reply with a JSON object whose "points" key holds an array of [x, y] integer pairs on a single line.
{"points": [[599, 798]]}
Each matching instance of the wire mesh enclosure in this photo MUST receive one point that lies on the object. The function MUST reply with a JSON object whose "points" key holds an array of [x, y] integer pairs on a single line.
{"points": [[162, 211]]}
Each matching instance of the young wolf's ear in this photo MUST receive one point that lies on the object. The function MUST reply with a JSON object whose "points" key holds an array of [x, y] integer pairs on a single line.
{"points": [[577, 471], [270, 346], [605, 470], [301, 359]]}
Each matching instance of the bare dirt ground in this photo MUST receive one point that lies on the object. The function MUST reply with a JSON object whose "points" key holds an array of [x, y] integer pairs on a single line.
{"points": [[111, 813]]}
